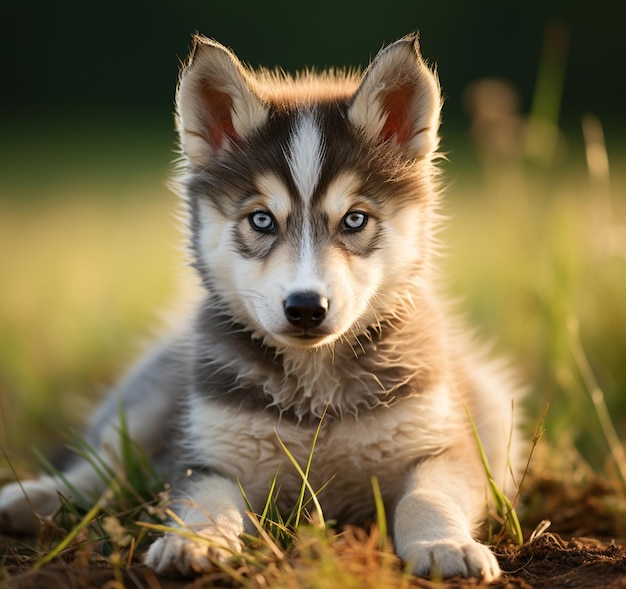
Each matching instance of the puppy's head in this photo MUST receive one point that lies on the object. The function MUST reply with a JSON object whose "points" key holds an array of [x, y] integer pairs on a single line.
{"points": [[310, 198]]}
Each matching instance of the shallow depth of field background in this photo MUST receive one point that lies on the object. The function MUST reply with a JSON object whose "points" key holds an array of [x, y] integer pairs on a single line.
{"points": [[534, 133]]}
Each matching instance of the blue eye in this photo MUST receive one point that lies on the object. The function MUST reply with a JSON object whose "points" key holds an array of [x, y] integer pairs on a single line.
{"points": [[354, 221], [262, 221]]}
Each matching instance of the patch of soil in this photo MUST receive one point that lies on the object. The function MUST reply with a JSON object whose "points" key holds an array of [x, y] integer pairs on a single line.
{"points": [[548, 562]]}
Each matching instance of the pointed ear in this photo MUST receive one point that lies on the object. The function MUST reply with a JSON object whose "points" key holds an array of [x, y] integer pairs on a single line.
{"points": [[216, 105], [399, 99]]}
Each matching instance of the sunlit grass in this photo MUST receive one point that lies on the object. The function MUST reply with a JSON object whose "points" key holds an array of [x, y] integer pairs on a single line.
{"points": [[83, 281], [527, 251]]}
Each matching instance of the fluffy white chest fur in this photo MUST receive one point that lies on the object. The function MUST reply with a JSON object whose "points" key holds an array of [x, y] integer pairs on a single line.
{"points": [[311, 205], [387, 444]]}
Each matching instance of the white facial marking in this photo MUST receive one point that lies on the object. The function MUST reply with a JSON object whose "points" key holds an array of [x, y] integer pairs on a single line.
{"points": [[306, 278], [305, 155]]}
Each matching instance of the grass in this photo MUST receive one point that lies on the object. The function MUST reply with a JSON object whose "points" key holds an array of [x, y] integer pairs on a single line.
{"points": [[78, 293], [505, 510], [538, 253]]}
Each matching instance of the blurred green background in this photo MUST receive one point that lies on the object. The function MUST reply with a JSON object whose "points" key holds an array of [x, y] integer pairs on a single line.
{"points": [[536, 241]]}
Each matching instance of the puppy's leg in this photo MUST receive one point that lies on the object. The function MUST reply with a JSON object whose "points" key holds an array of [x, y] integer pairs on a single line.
{"points": [[23, 504], [435, 519], [212, 514], [147, 396]]}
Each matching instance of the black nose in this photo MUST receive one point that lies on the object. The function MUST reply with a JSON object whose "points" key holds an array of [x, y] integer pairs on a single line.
{"points": [[305, 309]]}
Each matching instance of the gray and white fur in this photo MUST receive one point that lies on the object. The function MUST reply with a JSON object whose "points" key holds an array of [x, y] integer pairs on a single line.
{"points": [[312, 206]]}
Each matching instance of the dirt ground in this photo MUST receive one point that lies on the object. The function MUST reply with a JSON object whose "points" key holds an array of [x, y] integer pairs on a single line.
{"points": [[585, 548], [549, 562]]}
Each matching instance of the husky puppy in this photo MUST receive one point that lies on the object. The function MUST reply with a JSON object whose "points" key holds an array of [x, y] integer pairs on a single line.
{"points": [[312, 205]]}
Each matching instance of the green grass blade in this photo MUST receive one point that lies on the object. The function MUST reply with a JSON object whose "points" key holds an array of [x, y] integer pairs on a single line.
{"points": [[54, 472], [381, 516], [305, 476], [245, 497], [81, 447], [305, 486], [504, 507], [616, 448], [87, 519]]}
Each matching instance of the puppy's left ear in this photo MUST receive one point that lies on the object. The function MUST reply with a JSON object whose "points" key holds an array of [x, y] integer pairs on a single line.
{"points": [[216, 103], [399, 100]]}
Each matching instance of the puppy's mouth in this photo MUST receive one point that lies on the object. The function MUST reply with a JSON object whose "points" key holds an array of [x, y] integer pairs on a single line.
{"points": [[306, 338]]}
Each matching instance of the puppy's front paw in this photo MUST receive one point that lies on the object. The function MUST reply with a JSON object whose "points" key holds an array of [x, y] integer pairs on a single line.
{"points": [[451, 558], [17, 513], [179, 554]]}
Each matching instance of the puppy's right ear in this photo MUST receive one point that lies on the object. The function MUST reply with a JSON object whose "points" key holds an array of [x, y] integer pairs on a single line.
{"points": [[216, 105]]}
